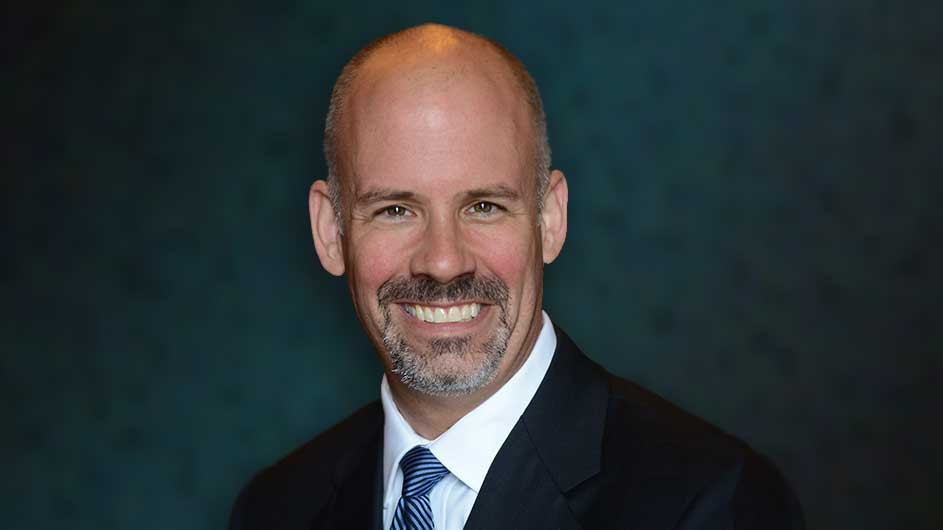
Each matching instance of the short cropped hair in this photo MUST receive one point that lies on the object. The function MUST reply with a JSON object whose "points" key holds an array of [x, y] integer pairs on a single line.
{"points": [[341, 93]]}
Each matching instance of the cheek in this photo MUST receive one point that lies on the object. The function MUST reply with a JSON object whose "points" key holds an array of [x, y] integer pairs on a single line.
{"points": [[509, 254], [375, 260]]}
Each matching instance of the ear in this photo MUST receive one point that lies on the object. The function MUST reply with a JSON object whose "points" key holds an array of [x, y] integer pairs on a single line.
{"points": [[553, 216], [325, 228]]}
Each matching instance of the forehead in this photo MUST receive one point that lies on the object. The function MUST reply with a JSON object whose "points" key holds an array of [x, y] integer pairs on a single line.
{"points": [[447, 120]]}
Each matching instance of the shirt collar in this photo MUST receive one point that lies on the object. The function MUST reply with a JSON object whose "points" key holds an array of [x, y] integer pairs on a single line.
{"points": [[468, 447]]}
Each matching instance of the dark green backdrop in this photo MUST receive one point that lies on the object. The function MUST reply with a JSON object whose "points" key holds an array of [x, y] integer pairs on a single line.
{"points": [[755, 233]]}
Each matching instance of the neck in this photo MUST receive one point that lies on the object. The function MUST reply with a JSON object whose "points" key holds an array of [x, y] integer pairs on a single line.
{"points": [[431, 415]]}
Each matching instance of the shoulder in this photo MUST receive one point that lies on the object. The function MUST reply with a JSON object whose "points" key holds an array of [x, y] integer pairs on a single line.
{"points": [[295, 487], [318, 459], [693, 470]]}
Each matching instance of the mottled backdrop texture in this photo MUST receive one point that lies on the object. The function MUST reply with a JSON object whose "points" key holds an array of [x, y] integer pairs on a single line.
{"points": [[755, 234]]}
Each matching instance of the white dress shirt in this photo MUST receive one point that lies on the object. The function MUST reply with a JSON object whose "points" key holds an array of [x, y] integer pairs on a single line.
{"points": [[468, 447]]}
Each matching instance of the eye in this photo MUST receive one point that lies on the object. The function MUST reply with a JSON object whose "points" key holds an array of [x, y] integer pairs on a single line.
{"points": [[394, 210], [483, 208]]}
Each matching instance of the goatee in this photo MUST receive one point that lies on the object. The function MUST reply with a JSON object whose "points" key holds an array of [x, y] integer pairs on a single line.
{"points": [[427, 368]]}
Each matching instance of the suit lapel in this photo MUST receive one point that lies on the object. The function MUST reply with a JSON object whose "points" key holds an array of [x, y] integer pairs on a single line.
{"points": [[358, 494], [519, 492], [555, 446]]}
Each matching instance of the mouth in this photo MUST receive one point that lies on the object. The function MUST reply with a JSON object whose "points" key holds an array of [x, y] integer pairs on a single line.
{"points": [[443, 314]]}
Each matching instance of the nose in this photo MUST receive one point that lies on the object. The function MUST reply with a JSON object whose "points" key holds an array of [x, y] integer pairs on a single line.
{"points": [[441, 253]]}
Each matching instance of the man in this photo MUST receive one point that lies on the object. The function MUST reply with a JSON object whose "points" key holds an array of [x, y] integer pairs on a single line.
{"points": [[441, 210]]}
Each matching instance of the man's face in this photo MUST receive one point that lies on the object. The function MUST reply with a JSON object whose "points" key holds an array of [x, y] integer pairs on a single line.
{"points": [[442, 243]]}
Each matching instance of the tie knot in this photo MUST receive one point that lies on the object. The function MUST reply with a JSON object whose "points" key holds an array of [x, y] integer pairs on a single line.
{"points": [[421, 471]]}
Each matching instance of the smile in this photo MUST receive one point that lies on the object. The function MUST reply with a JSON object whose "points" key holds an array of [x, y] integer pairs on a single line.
{"points": [[438, 315]]}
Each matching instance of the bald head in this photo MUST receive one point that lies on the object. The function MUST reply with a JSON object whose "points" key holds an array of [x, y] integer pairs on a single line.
{"points": [[434, 75]]}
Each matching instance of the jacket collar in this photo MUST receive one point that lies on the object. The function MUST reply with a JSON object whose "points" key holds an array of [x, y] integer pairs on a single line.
{"points": [[567, 416], [358, 495], [556, 446]]}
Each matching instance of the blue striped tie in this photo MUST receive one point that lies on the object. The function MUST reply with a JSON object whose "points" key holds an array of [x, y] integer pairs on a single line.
{"points": [[421, 472]]}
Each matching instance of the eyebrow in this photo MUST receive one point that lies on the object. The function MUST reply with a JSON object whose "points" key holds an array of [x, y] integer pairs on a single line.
{"points": [[385, 194], [500, 191]]}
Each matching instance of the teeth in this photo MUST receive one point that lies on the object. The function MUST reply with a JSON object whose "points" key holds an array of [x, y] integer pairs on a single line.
{"points": [[456, 313]]}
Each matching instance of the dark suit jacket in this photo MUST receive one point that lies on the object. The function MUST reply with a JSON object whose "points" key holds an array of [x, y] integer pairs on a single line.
{"points": [[590, 451]]}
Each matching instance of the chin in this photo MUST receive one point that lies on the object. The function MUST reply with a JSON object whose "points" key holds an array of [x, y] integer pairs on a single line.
{"points": [[450, 366]]}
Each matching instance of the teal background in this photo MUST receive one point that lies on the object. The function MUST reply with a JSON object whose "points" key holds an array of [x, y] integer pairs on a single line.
{"points": [[755, 233]]}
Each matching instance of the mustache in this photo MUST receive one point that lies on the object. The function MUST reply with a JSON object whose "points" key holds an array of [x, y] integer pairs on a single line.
{"points": [[425, 289]]}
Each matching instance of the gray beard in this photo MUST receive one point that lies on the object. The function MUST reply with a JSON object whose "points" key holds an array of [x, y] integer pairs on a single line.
{"points": [[416, 372], [414, 365]]}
